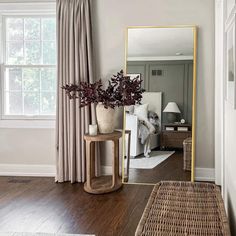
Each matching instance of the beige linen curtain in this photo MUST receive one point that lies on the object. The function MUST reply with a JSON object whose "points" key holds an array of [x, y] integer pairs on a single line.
{"points": [[74, 54]]}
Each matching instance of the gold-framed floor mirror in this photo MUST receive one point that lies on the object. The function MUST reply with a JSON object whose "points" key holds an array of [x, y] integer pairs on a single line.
{"points": [[159, 134]]}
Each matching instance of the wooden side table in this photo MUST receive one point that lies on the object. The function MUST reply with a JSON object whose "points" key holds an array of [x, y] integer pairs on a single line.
{"points": [[102, 184]]}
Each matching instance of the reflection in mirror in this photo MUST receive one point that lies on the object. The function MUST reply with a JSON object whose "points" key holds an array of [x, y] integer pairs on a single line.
{"points": [[159, 131]]}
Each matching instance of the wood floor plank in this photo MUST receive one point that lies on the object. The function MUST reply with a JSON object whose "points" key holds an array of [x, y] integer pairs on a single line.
{"points": [[40, 205], [170, 169]]}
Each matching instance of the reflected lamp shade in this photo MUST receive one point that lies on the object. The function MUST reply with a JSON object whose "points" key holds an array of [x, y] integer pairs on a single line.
{"points": [[172, 107]]}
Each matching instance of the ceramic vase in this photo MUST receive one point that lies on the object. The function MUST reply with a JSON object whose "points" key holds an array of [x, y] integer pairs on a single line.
{"points": [[105, 119]]}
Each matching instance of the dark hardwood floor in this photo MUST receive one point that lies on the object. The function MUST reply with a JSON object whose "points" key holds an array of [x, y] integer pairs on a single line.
{"points": [[170, 169], [41, 205]]}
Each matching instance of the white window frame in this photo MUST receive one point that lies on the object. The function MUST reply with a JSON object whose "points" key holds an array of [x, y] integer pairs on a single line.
{"points": [[46, 9], [5, 66]]}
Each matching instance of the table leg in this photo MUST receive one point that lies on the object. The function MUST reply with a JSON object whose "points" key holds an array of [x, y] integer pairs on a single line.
{"points": [[88, 166], [92, 170], [115, 163], [128, 159]]}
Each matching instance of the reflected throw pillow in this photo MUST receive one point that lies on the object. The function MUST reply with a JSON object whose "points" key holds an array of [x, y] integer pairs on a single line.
{"points": [[141, 111]]}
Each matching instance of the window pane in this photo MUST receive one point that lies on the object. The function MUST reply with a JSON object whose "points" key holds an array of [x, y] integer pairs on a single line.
{"points": [[31, 80], [32, 52], [13, 103], [48, 79], [48, 101], [32, 28], [14, 28], [15, 52], [49, 52], [13, 79], [49, 29], [31, 103], [30, 90]]}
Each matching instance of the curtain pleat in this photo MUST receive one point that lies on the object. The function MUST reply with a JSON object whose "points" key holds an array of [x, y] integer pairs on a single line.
{"points": [[75, 64]]}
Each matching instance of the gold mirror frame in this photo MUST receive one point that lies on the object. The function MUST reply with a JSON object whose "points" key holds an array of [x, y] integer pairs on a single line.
{"points": [[194, 28]]}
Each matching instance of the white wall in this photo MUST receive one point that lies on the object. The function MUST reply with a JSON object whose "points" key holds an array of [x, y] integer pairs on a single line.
{"points": [[27, 151], [27, 146], [111, 17]]}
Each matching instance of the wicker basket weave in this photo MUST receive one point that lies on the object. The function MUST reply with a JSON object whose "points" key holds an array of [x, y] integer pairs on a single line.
{"points": [[187, 144], [184, 208]]}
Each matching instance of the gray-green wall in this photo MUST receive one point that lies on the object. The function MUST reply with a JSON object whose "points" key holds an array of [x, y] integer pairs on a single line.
{"points": [[175, 83]]}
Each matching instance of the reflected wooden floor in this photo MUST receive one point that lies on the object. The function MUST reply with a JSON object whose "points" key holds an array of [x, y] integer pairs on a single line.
{"points": [[41, 205], [170, 169]]}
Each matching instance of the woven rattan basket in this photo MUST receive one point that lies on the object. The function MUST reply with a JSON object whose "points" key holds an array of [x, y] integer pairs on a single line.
{"points": [[187, 144], [184, 208]]}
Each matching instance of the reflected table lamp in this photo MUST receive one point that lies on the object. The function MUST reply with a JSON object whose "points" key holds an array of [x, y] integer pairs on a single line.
{"points": [[171, 109]]}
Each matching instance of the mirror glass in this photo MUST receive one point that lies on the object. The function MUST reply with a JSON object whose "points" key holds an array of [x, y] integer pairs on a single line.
{"points": [[158, 136]]}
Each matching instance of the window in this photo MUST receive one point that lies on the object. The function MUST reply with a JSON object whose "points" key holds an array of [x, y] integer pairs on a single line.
{"points": [[29, 87]]}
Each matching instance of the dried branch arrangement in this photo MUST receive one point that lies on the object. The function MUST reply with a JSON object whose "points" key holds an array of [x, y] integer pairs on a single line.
{"points": [[121, 91]]}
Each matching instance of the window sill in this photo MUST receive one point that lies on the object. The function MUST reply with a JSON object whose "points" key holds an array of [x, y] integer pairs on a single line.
{"points": [[28, 124]]}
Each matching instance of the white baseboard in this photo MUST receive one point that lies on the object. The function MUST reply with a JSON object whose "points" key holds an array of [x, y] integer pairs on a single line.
{"points": [[205, 174], [201, 174], [27, 170]]}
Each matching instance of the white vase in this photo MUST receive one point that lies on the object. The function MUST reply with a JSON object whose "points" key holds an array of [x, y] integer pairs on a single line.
{"points": [[105, 119]]}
